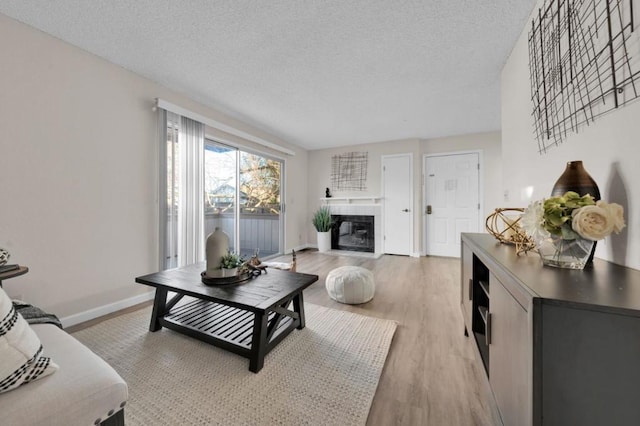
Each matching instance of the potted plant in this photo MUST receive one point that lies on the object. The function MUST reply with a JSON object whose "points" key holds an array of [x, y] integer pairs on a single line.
{"points": [[322, 222], [230, 263]]}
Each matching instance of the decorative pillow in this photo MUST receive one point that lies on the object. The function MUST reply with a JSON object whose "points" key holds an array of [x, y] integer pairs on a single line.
{"points": [[21, 359]]}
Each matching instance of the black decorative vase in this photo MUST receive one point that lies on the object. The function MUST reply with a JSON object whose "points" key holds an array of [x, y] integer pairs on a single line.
{"points": [[575, 178]]}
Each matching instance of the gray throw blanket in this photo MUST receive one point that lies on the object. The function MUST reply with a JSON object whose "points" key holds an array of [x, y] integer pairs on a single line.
{"points": [[35, 315]]}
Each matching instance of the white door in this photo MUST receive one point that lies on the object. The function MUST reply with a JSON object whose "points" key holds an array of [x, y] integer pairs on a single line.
{"points": [[397, 190], [452, 201]]}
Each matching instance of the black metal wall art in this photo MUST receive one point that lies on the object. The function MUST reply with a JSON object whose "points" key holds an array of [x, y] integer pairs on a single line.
{"points": [[584, 61], [349, 171]]}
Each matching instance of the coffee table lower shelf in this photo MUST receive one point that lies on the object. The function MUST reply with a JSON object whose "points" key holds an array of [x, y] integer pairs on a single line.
{"points": [[225, 326]]}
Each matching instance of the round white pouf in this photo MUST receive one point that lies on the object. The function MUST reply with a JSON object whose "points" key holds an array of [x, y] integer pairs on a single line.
{"points": [[350, 284]]}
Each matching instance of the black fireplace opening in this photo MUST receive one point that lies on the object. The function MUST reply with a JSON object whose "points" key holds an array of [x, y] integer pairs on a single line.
{"points": [[355, 233]]}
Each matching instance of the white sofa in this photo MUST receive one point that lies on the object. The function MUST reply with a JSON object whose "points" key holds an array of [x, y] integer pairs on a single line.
{"points": [[84, 391]]}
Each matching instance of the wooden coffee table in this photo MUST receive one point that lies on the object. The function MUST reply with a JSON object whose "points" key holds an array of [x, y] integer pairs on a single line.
{"points": [[248, 318]]}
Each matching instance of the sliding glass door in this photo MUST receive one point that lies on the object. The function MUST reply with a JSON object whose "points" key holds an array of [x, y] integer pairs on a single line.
{"points": [[220, 187], [260, 218], [243, 197]]}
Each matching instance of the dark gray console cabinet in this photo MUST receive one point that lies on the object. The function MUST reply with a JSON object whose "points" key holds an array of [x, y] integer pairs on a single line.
{"points": [[560, 346]]}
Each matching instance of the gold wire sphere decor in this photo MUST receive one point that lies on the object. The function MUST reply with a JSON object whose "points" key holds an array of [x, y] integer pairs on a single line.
{"points": [[504, 225]]}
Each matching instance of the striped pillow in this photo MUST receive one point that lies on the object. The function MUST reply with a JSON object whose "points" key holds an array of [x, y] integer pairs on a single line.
{"points": [[21, 359]]}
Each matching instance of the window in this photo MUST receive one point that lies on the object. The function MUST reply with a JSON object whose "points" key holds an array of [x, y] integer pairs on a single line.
{"points": [[207, 185], [243, 198]]}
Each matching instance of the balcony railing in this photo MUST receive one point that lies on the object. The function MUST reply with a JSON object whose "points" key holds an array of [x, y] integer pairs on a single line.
{"points": [[257, 231]]}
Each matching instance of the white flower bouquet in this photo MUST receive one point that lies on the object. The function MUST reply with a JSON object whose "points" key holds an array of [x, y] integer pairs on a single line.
{"points": [[564, 228]]}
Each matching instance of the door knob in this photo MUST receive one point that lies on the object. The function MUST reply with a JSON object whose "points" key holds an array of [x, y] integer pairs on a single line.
{"points": [[405, 210], [428, 209]]}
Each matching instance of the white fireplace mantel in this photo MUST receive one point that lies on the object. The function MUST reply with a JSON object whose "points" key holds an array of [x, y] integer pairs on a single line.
{"points": [[374, 200]]}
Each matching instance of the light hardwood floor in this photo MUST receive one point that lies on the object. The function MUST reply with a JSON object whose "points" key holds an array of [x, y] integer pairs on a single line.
{"points": [[431, 376]]}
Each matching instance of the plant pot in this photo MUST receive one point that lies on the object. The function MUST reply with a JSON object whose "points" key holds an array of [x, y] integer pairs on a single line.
{"points": [[230, 272], [214, 273], [324, 241]]}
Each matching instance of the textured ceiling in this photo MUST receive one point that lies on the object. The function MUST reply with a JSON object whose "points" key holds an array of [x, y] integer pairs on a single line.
{"points": [[319, 73]]}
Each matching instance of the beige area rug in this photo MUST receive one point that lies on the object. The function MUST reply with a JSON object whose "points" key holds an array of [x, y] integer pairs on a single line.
{"points": [[325, 374]]}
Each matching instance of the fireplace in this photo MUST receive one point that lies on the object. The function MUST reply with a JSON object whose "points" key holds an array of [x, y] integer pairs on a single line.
{"points": [[351, 232]]}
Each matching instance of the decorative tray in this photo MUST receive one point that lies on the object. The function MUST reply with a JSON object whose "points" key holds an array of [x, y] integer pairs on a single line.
{"points": [[241, 277]]}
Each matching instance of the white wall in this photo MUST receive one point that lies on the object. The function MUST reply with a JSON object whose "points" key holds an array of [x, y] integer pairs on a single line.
{"points": [[487, 143], [608, 148], [78, 172]]}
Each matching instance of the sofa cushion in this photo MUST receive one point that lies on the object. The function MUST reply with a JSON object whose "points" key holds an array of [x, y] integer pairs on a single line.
{"points": [[86, 388], [21, 353]]}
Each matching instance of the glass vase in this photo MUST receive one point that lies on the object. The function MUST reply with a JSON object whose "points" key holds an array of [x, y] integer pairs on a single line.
{"points": [[560, 253]]}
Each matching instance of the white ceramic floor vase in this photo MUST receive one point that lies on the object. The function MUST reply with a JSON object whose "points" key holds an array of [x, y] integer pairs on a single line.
{"points": [[324, 241]]}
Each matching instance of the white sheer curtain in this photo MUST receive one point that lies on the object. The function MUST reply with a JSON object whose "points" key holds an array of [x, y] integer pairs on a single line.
{"points": [[191, 195], [181, 190]]}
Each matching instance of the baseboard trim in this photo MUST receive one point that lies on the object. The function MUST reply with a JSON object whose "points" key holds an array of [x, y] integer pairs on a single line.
{"points": [[300, 248], [106, 309]]}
